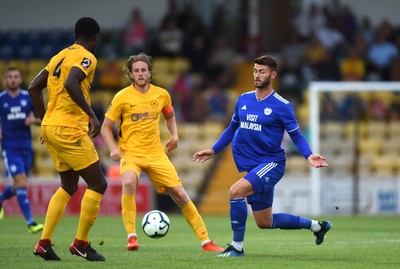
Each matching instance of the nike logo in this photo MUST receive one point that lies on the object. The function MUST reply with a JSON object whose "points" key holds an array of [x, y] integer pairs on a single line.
{"points": [[80, 253], [133, 105], [162, 227], [44, 250]]}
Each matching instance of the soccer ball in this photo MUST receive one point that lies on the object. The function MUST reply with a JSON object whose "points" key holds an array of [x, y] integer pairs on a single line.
{"points": [[155, 224]]}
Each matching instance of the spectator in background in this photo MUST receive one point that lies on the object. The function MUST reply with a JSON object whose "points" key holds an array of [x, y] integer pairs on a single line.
{"points": [[329, 108], [196, 109], [346, 23], [181, 93], [170, 39], [394, 72], [135, 33], [377, 110], [381, 53], [307, 22], [352, 67], [173, 13], [218, 100], [329, 36], [293, 53], [366, 30], [314, 56], [327, 69], [110, 74], [196, 50]]}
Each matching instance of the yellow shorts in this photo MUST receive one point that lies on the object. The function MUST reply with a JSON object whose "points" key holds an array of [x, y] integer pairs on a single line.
{"points": [[70, 148], [160, 170]]}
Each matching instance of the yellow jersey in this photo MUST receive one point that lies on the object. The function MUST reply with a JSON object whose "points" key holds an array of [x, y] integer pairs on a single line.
{"points": [[138, 117], [61, 109]]}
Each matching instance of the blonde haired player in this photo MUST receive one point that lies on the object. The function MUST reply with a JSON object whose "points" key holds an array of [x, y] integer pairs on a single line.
{"points": [[137, 109]]}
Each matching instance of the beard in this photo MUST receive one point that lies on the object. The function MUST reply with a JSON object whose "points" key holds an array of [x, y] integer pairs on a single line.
{"points": [[265, 83]]}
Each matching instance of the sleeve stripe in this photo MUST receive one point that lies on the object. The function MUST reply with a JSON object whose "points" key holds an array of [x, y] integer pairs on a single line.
{"points": [[293, 129]]}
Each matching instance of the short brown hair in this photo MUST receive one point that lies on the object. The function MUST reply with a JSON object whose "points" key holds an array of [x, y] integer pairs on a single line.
{"points": [[136, 58], [268, 61]]}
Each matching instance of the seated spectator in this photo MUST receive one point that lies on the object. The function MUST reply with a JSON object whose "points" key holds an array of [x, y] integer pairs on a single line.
{"points": [[377, 110], [135, 34], [329, 36], [170, 39], [196, 50], [218, 100], [352, 67], [180, 92], [381, 53], [347, 23], [313, 57], [366, 30], [110, 75]]}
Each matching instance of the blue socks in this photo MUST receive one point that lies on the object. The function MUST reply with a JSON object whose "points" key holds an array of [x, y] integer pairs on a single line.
{"points": [[23, 201], [238, 213], [24, 204], [289, 222], [7, 193]]}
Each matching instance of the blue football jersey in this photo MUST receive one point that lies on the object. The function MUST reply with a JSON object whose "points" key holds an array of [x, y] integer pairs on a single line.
{"points": [[259, 135], [13, 113]]}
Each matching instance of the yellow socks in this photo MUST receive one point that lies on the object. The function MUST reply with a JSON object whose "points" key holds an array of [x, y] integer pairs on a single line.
{"points": [[128, 203], [55, 212], [195, 221], [90, 206]]}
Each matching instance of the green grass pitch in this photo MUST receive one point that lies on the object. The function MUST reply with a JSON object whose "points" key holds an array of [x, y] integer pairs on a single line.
{"points": [[354, 242]]}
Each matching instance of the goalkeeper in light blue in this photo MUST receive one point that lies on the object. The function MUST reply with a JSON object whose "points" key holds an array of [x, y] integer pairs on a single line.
{"points": [[256, 131]]}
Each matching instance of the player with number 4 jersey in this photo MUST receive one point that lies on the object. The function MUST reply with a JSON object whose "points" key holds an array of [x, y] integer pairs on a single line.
{"points": [[66, 134]]}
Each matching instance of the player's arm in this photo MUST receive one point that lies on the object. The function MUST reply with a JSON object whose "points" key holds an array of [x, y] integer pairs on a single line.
{"points": [[32, 120], [298, 139], [107, 134], [224, 140], [36, 94], [170, 121], [72, 85]]}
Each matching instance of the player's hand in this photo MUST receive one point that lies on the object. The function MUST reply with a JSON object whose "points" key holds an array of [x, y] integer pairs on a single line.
{"points": [[30, 120], [95, 127], [203, 155], [317, 161], [172, 144], [116, 155]]}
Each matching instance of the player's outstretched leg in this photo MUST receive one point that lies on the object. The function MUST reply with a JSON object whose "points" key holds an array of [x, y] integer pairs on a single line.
{"points": [[231, 251], [320, 235], [44, 250], [83, 249]]}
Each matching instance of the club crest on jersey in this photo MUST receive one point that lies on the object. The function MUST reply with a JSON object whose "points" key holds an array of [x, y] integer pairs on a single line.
{"points": [[267, 111], [86, 63], [24, 103], [154, 103]]}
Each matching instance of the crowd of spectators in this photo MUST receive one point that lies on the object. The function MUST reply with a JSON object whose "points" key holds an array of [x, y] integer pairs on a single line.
{"points": [[320, 45]]}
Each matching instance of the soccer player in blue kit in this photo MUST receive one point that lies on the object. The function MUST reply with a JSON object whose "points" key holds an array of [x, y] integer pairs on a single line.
{"points": [[16, 113], [256, 131]]}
